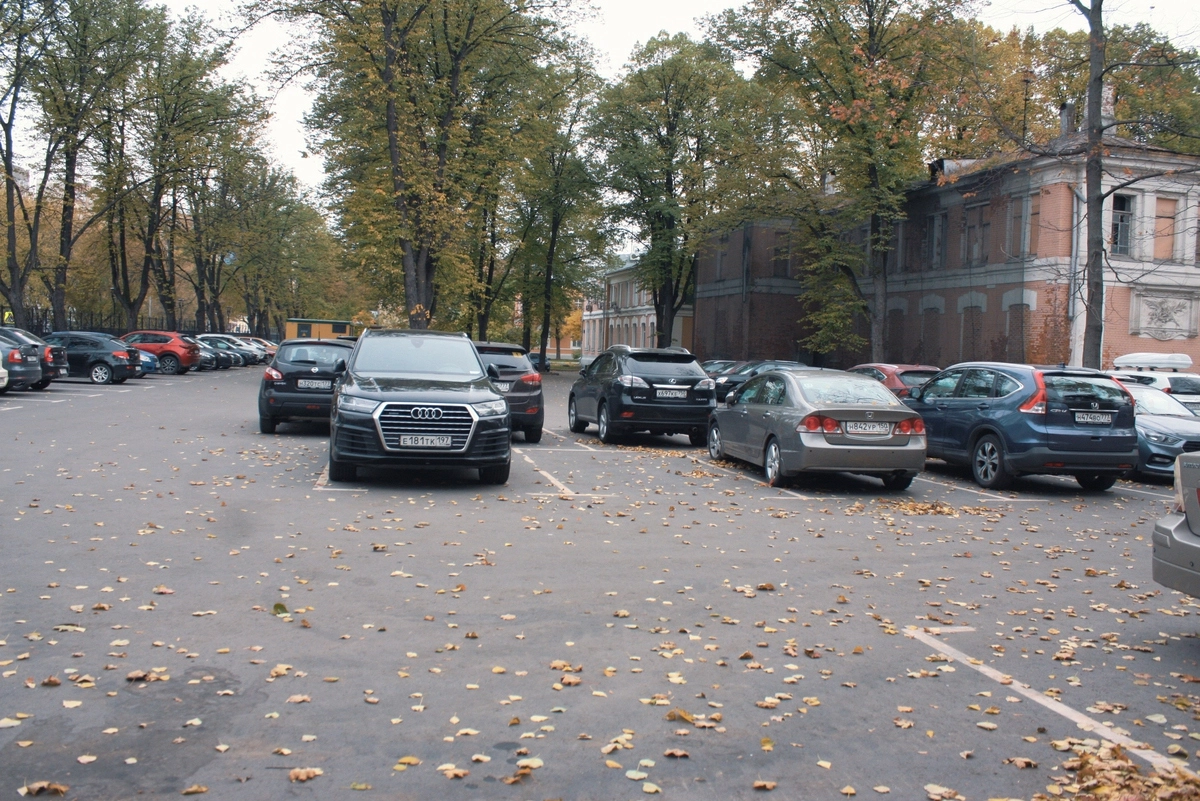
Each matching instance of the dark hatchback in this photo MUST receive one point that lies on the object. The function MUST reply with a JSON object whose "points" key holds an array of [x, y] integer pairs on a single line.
{"points": [[732, 378], [1004, 420], [662, 391], [520, 383], [53, 358], [298, 384], [418, 399], [23, 363], [100, 358]]}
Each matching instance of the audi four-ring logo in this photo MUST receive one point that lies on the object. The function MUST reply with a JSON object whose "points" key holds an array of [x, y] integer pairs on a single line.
{"points": [[426, 413]]}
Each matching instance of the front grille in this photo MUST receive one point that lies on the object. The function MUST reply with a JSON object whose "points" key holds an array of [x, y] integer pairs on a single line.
{"points": [[1191, 446], [396, 420]]}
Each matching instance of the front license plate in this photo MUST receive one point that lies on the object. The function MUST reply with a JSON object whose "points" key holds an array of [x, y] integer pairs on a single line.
{"points": [[854, 427], [313, 383], [1094, 418], [415, 441], [503, 386], [676, 394]]}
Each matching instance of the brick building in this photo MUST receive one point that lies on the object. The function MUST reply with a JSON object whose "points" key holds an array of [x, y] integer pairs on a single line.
{"points": [[989, 264]]}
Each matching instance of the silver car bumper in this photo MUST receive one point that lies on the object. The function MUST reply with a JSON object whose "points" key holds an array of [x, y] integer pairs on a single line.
{"points": [[1176, 554], [813, 454]]}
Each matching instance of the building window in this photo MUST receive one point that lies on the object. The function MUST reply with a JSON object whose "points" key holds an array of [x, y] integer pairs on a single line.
{"points": [[935, 241], [1016, 228], [976, 230], [304, 330], [1164, 229], [339, 328], [1122, 224], [781, 259]]}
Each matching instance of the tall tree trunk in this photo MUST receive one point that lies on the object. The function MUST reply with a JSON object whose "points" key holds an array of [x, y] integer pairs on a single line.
{"points": [[1093, 329], [548, 289], [66, 234]]}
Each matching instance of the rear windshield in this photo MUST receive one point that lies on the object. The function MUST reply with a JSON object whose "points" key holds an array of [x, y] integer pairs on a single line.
{"points": [[507, 360], [1081, 391], [312, 354], [421, 355], [915, 378], [193, 341], [818, 389], [1153, 401], [1185, 384], [683, 364]]}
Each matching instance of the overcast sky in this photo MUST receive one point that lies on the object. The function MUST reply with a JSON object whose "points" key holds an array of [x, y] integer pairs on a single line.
{"points": [[618, 25]]}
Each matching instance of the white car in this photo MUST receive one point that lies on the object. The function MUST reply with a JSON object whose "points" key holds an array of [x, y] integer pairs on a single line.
{"points": [[1163, 371], [3, 379]]}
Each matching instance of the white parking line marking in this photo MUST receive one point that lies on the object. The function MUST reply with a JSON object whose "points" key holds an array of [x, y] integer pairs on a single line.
{"points": [[950, 486], [10, 408], [1084, 722], [1144, 492], [44, 400], [554, 434]]}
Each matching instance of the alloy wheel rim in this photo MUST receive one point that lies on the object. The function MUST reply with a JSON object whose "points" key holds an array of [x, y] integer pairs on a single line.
{"points": [[99, 374], [714, 442], [602, 423], [571, 412], [772, 462], [986, 461]]}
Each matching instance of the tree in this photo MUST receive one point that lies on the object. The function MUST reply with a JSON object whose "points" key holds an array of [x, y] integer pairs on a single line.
{"points": [[663, 131]]}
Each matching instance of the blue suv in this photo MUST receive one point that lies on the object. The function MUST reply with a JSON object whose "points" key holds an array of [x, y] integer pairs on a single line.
{"points": [[1004, 420]]}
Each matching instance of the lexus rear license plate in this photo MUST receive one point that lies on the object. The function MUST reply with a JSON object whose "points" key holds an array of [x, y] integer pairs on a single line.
{"points": [[677, 394], [854, 427], [313, 383], [1094, 418], [503, 386], [421, 441]]}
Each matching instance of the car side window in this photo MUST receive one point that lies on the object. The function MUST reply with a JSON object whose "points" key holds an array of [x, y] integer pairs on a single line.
{"points": [[133, 339], [750, 391], [1005, 385], [600, 365], [942, 386], [977, 384], [774, 391], [79, 343]]}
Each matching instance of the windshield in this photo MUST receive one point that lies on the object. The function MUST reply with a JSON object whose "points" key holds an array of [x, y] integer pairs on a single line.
{"points": [[507, 360], [745, 369], [425, 355], [1185, 384], [847, 389], [668, 364], [1078, 392], [192, 341], [915, 378], [312, 354], [1153, 401]]}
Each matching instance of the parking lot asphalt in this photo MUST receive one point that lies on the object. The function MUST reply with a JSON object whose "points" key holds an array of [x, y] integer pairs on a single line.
{"points": [[615, 620]]}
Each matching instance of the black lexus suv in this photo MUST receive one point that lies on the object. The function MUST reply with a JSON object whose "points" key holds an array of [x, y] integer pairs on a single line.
{"points": [[660, 390], [418, 399]]}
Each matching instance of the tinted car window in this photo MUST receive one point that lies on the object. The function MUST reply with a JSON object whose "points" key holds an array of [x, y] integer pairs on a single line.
{"points": [[774, 391], [312, 353], [1005, 386], [845, 389], [603, 364], [942, 387], [1185, 384], [977, 384], [915, 378], [1076, 391], [751, 390], [1152, 401], [683, 364], [507, 360], [422, 355]]}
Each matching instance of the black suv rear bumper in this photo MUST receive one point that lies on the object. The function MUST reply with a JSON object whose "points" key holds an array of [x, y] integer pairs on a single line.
{"points": [[1056, 462], [660, 418], [355, 440]]}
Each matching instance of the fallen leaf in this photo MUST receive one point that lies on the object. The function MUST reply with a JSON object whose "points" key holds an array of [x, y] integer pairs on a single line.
{"points": [[298, 699], [38, 788], [676, 753], [304, 774], [650, 788], [882, 789], [764, 785], [359, 786], [86, 759], [824, 763], [848, 790], [195, 789]]}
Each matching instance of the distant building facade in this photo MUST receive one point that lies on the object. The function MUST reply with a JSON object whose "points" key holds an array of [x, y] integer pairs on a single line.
{"points": [[623, 314]]}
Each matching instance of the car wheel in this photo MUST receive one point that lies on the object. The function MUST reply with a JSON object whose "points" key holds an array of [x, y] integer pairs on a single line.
{"points": [[495, 475], [101, 373], [716, 447], [577, 425], [773, 464], [267, 424], [169, 364], [1095, 482], [898, 481], [340, 471], [606, 432], [533, 435], [987, 464], [40, 385], [697, 437]]}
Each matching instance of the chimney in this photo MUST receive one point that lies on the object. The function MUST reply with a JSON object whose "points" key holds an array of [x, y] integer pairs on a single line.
{"points": [[1066, 118], [1108, 104]]}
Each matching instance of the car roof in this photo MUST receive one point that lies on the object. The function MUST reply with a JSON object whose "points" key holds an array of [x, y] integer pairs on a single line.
{"points": [[310, 341], [634, 351], [899, 367], [413, 332]]}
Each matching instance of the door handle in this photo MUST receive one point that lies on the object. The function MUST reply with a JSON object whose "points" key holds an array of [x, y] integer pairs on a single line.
{"points": [[943, 406], [983, 406], [768, 416]]}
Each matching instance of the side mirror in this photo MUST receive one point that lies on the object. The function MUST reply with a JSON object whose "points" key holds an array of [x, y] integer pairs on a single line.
{"points": [[731, 399], [340, 367], [493, 373], [915, 393], [583, 371]]}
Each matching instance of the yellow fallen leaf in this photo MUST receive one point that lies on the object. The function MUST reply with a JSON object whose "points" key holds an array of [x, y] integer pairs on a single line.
{"points": [[882, 789], [767, 744], [609, 763], [848, 790], [195, 789], [497, 669], [824, 763], [86, 759], [650, 788], [764, 785], [304, 774]]}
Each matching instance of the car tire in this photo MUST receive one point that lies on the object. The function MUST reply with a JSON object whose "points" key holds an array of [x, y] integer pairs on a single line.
{"points": [[495, 475], [987, 463], [577, 426], [898, 481], [267, 424], [606, 432], [698, 437], [100, 373], [341, 471], [1096, 482], [169, 364], [716, 446], [40, 385], [533, 435], [773, 463]]}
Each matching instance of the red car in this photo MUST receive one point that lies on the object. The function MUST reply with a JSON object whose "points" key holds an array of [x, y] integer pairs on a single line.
{"points": [[899, 378], [174, 354]]}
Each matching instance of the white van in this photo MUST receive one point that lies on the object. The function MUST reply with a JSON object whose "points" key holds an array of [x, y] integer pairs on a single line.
{"points": [[1165, 371]]}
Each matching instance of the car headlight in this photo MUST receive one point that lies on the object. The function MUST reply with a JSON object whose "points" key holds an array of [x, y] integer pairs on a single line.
{"points": [[353, 403], [1159, 437], [722, 380], [491, 408]]}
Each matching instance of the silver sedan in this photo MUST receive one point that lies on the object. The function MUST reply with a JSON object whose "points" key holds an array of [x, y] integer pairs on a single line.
{"points": [[798, 421]]}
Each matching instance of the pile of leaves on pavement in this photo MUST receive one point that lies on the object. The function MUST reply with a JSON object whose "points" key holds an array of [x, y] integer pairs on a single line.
{"points": [[1111, 775]]}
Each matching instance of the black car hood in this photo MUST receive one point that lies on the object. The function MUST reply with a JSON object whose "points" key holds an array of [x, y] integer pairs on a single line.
{"points": [[420, 390], [1170, 424]]}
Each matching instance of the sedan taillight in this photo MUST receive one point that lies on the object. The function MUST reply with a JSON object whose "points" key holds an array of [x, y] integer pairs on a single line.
{"points": [[47, 355], [817, 422], [14, 356], [913, 426], [534, 379], [272, 374], [121, 354]]}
